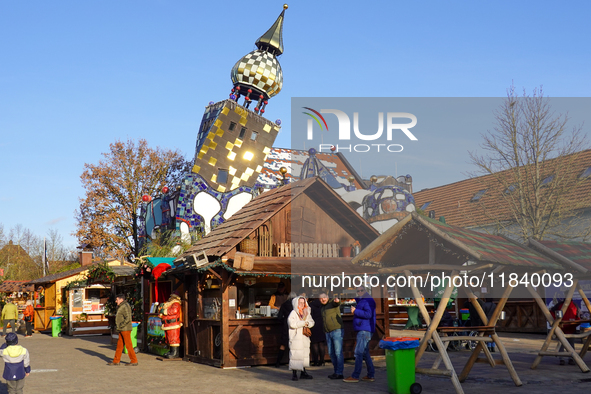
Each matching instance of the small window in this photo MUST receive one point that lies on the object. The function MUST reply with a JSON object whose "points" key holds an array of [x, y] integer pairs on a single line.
{"points": [[510, 189], [586, 173], [478, 195], [232, 126], [242, 133], [222, 176], [547, 180], [253, 136], [425, 205]]}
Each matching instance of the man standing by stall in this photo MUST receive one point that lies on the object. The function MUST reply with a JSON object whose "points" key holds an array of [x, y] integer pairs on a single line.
{"points": [[171, 324], [124, 325], [333, 328], [9, 316], [364, 323]]}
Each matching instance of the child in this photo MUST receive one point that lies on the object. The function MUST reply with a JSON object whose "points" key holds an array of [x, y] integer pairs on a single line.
{"points": [[16, 364]]}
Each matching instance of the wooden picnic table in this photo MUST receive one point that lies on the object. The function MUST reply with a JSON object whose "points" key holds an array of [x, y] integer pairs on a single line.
{"points": [[486, 334], [556, 330]]}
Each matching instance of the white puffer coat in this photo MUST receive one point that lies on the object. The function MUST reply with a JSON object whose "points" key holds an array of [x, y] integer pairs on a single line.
{"points": [[299, 344]]}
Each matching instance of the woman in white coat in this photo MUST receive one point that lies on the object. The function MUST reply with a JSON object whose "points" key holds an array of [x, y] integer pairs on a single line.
{"points": [[299, 344]]}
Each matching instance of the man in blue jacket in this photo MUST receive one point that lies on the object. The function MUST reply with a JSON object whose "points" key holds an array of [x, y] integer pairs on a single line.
{"points": [[364, 323]]}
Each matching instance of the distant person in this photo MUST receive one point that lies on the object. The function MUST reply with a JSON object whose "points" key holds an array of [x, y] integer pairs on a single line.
{"points": [[16, 364], [334, 331], [475, 320], [124, 325], [364, 323], [29, 316], [9, 316], [572, 313], [282, 315], [489, 308], [318, 339], [279, 297], [300, 321]]}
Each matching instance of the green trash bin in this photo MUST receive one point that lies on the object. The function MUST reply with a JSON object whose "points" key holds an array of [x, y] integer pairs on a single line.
{"points": [[56, 326], [400, 365], [133, 338]]}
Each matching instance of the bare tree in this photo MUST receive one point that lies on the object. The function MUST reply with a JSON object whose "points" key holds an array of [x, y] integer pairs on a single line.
{"points": [[531, 163]]}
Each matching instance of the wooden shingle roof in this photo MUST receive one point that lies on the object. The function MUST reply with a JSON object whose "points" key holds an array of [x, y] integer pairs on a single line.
{"points": [[406, 243], [453, 201], [224, 238], [10, 286], [569, 253]]}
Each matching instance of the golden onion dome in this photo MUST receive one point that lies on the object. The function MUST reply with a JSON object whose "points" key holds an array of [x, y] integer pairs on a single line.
{"points": [[259, 69]]}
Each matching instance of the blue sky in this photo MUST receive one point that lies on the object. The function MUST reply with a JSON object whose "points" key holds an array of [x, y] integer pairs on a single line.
{"points": [[76, 76]]}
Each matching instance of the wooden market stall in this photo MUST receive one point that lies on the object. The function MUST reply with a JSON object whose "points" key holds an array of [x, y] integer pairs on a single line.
{"points": [[226, 290], [419, 247], [19, 292], [52, 290]]}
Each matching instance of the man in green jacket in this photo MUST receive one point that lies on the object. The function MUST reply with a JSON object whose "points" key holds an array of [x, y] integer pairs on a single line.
{"points": [[333, 328], [123, 325], [9, 316]]}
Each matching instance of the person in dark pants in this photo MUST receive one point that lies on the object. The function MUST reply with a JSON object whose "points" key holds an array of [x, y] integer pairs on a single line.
{"points": [[364, 323], [334, 332], [489, 308], [318, 339], [284, 311], [29, 316]]}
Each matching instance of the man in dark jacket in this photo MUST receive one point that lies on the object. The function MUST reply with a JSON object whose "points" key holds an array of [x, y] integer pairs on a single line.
{"points": [[284, 311], [333, 328], [124, 326], [364, 323]]}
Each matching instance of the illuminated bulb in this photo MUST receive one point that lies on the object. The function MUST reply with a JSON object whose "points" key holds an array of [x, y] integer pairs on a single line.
{"points": [[248, 156]]}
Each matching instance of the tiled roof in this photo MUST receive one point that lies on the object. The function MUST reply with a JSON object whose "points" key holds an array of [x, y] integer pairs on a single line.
{"points": [[294, 159], [453, 201], [577, 252], [9, 286], [466, 244], [225, 237], [119, 270]]}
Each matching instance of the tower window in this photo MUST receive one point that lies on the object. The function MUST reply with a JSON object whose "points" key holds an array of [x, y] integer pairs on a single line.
{"points": [[232, 126], [242, 133], [586, 173], [222, 176], [253, 136], [510, 189], [478, 195]]}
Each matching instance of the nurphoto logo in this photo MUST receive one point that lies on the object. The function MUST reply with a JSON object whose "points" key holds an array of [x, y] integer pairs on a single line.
{"points": [[344, 130]]}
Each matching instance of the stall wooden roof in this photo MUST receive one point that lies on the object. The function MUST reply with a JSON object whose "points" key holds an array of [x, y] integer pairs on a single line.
{"points": [[406, 243], [572, 254], [224, 238], [10, 286], [119, 270]]}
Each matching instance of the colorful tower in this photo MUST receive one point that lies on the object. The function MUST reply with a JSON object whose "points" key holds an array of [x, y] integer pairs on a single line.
{"points": [[233, 139]]}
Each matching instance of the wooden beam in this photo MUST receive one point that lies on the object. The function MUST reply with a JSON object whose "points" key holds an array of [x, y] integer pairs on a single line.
{"points": [[447, 237], [427, 267], [368, 252]]}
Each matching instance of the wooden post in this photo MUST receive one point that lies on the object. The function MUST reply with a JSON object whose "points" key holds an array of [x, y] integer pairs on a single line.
{"points": [[225, 319]]}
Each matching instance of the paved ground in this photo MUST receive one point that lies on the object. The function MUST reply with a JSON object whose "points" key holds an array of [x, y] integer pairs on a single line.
{"points": [[78, 365]]}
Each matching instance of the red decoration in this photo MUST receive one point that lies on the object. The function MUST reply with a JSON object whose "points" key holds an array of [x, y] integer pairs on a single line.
{"points": [[261, 96], [249, 90], [262, 111], [165, 189], [146, 198], [266, 102], [333, 148], [256, 108]]}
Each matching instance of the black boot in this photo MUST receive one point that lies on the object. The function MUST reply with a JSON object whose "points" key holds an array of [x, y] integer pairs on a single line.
{"points": [[279, 358], [173, 353], [295, 375], [305, 375]]}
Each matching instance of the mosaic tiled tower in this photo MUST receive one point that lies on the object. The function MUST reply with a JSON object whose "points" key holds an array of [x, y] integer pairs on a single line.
{"points": [[234, 139]]}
